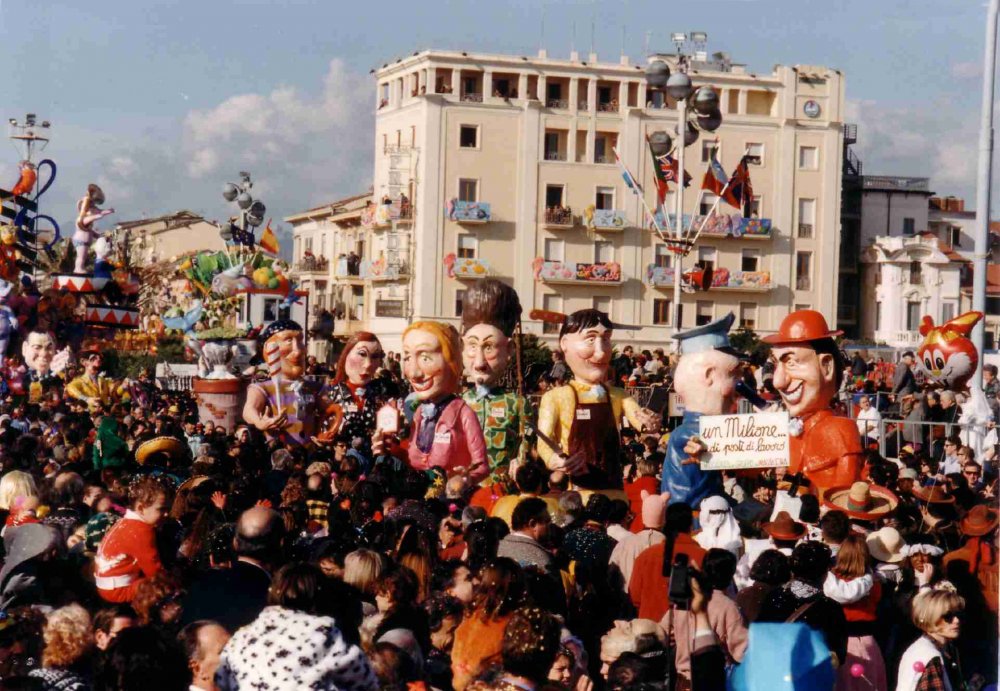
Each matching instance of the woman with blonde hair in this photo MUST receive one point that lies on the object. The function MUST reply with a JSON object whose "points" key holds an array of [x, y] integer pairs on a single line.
{"points": [[69, 640], [362, 569], [852, 584], [931, 662], [14, 484]]}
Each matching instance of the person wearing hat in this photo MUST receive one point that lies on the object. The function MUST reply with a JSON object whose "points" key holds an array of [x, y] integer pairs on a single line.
{"points": [[705, 379], [90, 387], [283, 407], [783, 533], [808, 371], [861, 501], [978, 556]]}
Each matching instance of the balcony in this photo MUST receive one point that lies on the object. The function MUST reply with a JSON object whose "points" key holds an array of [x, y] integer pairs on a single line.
{"points": [[609, 107], [386, 212], [660, 276], [348, 267], [555, 155], [720, 225], [583, 105], [803, 283], [741, 281], [472, 98], [468, 268], [559, 218], [382, 270], [606, 273], [805, 231], [606, 220], [310, 264], [560, 103], [468, 213]]}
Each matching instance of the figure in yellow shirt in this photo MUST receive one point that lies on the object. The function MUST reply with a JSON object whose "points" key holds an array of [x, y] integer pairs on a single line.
{"points": [[584, 417], [90, 387]]}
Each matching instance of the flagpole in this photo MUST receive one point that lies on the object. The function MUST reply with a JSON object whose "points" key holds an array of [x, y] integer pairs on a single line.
{"points": [[679, 208], [642, 198]]}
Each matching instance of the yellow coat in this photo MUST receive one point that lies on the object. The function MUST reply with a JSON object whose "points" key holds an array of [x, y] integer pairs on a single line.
{"points": [[558, 409]]}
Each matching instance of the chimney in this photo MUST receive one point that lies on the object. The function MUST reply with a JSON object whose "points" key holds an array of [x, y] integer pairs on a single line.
{"points": [[936, 203]]}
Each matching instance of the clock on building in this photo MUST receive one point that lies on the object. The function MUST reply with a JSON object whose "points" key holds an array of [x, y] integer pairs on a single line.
{"points": [[811, 109]]}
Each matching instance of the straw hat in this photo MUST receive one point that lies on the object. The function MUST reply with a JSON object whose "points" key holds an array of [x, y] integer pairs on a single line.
{"points": [[171, 446], [981, 520], [935, 494], [784, 527], [861, 500], [886, 545]]}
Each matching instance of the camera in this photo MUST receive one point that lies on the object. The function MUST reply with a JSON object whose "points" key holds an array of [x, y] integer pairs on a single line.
{"points": [[679, 588]]}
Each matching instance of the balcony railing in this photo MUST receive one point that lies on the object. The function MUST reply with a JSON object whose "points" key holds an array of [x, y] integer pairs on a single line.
{"points": [[382, 214], [609, 107], [605, 219], [312, 265], [560, 103], [348, 267], [608, 273], [583, 105], [803, 283], [555, 156], [559, 217], [381, 270], [468, 212], [472, 98], [659, 276], [722, 279], [604, 159], [722, 225], [805, 230]]}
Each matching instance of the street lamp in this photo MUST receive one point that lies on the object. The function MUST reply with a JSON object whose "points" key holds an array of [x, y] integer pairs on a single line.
{"points": [[704, 103], [251, 210]]}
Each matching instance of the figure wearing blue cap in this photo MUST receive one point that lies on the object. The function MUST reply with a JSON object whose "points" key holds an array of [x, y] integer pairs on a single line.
{"points": [[705, 380]]}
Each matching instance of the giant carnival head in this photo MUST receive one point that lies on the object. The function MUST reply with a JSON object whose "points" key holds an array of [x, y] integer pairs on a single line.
{"points": [[808, 364], [491, 312], [283, 350], [947, 356], [432, 360]]}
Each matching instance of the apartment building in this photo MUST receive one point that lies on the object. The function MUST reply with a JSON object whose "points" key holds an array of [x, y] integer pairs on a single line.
{"points": [[503, 165]]}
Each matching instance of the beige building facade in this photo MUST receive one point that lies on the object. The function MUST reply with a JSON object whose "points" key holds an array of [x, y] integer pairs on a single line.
{"points": [[153, 240], [493, 165]]}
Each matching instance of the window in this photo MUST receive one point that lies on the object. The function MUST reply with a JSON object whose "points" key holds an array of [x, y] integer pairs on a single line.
{"points": [[554, 250], [955, 236], [807, 217], [553, 91], [803, 270], [947, 312], [707, 257], [912, 315], [803, 306], [808, 158], [270, 309], [605, 198], [662, 312], [708, 149], [916, 275], [909, 226], [663, 256], [459, 301], [707, 202], [704, 313], [603, 145], [551, 146], [309, 245], [748, 315], [604, 251], [603, 304], [553, 196], [551, 303], [501, 87], [878, 316], [468, 190], [467, 246], [471, 85], [468, 136], [755, 152], [751, 260], [604, 95], [755, 206]]}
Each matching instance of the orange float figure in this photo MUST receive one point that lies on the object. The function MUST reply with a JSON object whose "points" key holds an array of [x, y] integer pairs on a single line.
{"points": [[807, 374]]}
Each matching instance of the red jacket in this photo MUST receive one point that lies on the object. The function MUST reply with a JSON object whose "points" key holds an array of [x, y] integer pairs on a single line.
{"points": [[127, 554], [648, 587]]}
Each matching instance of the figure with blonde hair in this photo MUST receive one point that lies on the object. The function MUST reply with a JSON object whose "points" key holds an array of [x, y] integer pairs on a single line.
{"points": [[932, 662], [69, 640], [446, 434]]}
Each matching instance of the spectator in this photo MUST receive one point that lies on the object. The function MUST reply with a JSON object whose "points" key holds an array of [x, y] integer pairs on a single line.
{"points": [[203, 642]]}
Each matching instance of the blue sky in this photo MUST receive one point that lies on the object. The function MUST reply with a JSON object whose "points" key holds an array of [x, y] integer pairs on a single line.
{"points": [[161, 102]]}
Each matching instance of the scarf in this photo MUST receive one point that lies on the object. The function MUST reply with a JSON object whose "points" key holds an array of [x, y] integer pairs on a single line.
{"points": [[429, 414], [803, 590]]}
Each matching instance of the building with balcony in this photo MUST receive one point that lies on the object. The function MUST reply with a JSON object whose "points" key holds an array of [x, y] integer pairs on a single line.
{"points": [[153, 240], [509, 162]]}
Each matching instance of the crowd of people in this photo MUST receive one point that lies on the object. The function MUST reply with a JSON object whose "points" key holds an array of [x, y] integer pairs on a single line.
{"points": [[145, 549]]}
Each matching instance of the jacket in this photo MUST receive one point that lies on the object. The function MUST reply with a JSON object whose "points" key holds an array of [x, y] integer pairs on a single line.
{"points": [[828, 451], [903, 381], [127, 554], [234, 597], [648, 586], [525, 551], [458, 441], [727, 624]]}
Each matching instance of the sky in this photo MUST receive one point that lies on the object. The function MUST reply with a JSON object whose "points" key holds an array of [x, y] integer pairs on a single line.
{"points": [[162, 103]]}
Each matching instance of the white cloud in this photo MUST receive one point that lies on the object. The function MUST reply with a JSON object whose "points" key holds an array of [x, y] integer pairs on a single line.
{"points": [[970, 69], [935, 141]]}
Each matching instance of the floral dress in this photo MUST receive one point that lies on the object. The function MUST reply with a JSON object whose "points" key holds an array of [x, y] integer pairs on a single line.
{"points": [[502, 415]]}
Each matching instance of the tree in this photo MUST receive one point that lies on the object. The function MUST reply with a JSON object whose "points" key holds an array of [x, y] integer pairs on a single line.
{"points": [[747, 341]]}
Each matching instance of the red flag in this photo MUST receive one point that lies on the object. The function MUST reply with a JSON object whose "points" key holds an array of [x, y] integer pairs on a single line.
{"points": [[269, 241], [715, 179], [740, 193]]}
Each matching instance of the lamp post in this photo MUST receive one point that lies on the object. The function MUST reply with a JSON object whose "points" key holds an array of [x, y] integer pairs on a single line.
{"points": [[705, 104], [251, 210]]}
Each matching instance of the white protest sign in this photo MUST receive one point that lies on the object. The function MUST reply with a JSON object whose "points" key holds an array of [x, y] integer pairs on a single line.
{"points": [[755, 440]]}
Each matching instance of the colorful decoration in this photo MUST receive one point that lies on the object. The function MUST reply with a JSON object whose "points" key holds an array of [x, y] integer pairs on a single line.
{"points": [[26, 182], [468, 212], [947, 356], [8, 320], [562, 272], [604, 219], [466, 268]]}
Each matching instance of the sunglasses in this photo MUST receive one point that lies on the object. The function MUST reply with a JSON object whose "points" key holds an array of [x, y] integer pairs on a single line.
{"points": [[949, 617]]}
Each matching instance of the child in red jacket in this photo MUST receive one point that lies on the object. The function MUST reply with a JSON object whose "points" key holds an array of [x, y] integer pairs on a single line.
{"points": [[128, 554]]}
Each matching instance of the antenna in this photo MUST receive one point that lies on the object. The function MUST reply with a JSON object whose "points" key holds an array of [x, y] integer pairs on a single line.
{"points": [[645, 45], [541, 40]]}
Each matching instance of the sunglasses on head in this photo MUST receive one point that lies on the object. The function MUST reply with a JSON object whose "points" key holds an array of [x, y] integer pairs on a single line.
{"points": [[951, 616]]}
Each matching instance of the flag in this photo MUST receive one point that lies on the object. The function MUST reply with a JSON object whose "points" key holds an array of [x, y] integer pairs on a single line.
{"points": [[669, 166], [715, 179], [269, 241], [740, 193], [658, 177], [630, 180], [242, 237]]}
